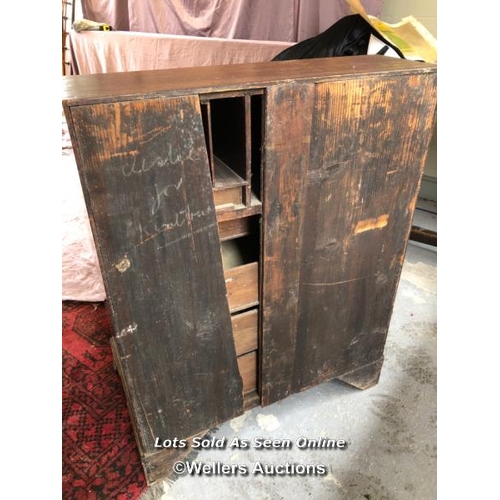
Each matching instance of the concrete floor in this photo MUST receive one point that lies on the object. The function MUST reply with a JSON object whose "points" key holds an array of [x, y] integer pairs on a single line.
{"points": [[390, 429]]}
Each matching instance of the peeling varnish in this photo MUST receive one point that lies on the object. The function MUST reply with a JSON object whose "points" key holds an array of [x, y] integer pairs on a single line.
{"points": [[127, 331], [371, 224], [123, 265]]}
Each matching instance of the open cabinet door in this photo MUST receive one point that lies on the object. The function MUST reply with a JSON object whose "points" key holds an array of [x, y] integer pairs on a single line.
{"points": [[146, 179], [340, 192]]}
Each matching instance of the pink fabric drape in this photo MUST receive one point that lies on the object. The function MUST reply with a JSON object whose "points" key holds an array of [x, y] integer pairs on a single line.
{"points": [[111, 51], [278, 20]]}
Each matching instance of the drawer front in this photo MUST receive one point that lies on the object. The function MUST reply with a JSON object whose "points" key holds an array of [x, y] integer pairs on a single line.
{"points": [[234, 228], [231, 196], [242, 285], [245, 331], [247, 365]]}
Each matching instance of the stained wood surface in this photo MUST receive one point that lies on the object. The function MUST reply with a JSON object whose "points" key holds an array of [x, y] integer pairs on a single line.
{"points": [[369, 138], [205, 80], [147, 185], [345, 141], [423, 235], [363, 181], [286, 160]]}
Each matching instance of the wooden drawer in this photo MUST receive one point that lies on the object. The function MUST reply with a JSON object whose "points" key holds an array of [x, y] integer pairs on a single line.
{"points": [[247, 364], [245, 331], [234, 228], [228, 186], [242, 284], [228, 197]]}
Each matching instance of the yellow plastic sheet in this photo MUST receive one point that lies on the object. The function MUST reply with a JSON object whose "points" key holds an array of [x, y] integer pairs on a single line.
{"points": [[409, 35]]}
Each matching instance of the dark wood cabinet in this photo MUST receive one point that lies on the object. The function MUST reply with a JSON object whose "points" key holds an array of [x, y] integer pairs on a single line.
{"points": [[310, 168]]}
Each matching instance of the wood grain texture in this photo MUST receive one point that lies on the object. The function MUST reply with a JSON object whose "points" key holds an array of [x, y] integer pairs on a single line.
{"points": [[344, 142], [147, 185], [246, 331], [228, 197], [232, 77], [242, 284], [370, 138], [332, 265], [248, 369], [289, 110], [234, 228]]}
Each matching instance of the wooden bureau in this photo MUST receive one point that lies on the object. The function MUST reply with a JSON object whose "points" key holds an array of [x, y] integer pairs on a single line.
{"points": [[311, 168]]}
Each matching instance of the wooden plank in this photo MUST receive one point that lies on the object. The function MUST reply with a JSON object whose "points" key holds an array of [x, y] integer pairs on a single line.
{"points": [[205, 80], [230, 211], [230, 94], [242, 285], [286, 161], [248, 149], [146, 181], [422, 235], [207, 127], [245, 331], [370, 139], [225, 177]]}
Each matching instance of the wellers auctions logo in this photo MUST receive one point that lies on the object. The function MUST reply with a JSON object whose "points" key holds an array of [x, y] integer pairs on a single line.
{"points": [[257, 468]]}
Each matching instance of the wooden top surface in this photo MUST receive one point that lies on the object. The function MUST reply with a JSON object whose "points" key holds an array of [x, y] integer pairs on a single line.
{"points": [[79, 89]]}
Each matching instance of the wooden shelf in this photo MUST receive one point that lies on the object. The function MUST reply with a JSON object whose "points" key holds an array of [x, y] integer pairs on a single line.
{"points": [[231, 211], [225, 177], [228, 185]]}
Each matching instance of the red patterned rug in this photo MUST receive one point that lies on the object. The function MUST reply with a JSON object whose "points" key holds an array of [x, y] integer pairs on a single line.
{"points": [[99, 455]]}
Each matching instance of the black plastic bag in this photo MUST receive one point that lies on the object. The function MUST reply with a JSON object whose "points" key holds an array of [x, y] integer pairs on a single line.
{"points": [[349, 36]]}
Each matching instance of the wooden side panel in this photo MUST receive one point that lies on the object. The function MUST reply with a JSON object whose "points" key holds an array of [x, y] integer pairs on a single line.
{"points": [[369, 141], [147, 185], [289, 110]]}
